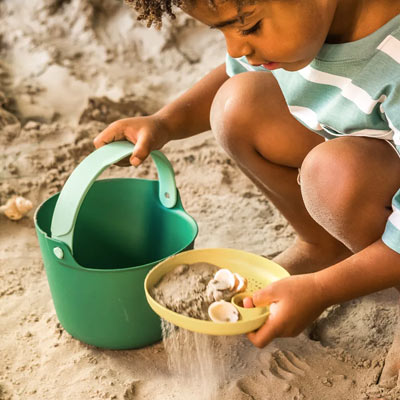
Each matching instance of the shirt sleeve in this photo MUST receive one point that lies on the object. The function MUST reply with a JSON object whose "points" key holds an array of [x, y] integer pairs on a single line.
{"points": [[391, 236], [391, 109]]}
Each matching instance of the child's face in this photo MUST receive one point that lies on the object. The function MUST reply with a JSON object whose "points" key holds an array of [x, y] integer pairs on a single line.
{"points": [[276, 33]]}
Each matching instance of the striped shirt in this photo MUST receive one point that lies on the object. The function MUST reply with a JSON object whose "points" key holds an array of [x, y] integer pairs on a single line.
{"points": [[348, 89]]}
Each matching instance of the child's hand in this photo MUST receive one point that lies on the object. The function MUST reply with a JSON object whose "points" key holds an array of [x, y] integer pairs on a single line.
{"points": [[147, 133], [294, 302]]}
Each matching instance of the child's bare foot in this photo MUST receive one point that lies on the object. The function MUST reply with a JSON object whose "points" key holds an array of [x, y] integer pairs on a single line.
{"points": [[390, 375], [302, 257]]}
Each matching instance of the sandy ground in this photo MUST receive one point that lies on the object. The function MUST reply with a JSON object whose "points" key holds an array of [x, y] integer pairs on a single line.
{"points": [[67, 68]]}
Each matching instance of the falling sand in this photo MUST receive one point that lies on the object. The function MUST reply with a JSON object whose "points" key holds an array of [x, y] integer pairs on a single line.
{"points": [[198, 363]]}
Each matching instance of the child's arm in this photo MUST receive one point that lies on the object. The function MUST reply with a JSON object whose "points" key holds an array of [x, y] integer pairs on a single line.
{"points": [[300, 299], [188, 115]]}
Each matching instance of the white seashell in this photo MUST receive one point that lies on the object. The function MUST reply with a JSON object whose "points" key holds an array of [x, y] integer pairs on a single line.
{"points": [[220, 285], [218, 295], [23, 205], [16, 207], [222, 311], [226, 276], [242, 283]]}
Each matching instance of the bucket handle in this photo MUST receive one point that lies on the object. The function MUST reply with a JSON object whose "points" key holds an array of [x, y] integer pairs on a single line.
{"points": [[82, 178]]}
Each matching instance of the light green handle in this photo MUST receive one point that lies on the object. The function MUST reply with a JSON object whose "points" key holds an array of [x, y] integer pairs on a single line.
{"points": [[82, 178]]}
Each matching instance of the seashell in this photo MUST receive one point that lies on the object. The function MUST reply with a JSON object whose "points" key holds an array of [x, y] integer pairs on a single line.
{"points": [[23, 205], [242, 283], [16, 207], [218, 295], [222, 311], [220, 285], [212, 293], [226, 276]]}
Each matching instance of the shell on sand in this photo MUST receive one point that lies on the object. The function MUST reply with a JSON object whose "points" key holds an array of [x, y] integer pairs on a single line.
{"points": [[16, 207]]}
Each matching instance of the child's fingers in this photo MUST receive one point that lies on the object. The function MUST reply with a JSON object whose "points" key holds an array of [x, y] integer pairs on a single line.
{"points": [[113, 132], [273, 308], [268, 332], [141, 151], [265, 296], [248, 302]]}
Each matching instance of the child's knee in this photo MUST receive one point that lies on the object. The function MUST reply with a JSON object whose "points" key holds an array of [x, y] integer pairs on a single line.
{"points": [[228, 111], [237, 107], [330, 185]]}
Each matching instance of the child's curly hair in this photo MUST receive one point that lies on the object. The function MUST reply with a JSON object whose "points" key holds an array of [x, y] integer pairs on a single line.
{"points": [[152, 11]]}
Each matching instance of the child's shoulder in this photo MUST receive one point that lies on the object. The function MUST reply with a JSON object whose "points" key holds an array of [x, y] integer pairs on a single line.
{"points": [[390, 44], [375, 57]]}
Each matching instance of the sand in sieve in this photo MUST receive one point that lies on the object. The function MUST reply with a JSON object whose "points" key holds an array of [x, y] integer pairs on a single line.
{"points": [[184, 289], [189, 289]]}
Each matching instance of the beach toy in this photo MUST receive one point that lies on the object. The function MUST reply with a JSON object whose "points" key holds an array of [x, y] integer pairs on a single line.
{"points": [[259, 272], [99, 239]]}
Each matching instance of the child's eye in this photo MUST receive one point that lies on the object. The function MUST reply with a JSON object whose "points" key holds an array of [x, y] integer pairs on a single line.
{"points": [[251, 30]]}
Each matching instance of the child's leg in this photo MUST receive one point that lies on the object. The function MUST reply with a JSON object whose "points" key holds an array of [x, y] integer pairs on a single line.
{"points": [[347, 186], [250, 119]]}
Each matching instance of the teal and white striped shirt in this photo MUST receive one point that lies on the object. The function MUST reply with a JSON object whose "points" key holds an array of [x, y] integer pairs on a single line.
{"points": [[348, 89]]}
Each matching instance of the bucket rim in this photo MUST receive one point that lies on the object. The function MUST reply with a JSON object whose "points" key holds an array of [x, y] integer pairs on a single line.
{"points": [[109, 270], [98, 180]]}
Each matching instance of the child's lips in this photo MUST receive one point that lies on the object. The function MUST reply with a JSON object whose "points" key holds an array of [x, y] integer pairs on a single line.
{"points": [[271, 65]]}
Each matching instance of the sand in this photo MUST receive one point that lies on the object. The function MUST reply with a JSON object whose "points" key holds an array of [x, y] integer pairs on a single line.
{"points": [[184, 289], [67, 68], [190, 289]]}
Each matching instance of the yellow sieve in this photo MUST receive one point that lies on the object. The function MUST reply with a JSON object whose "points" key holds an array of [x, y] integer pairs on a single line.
{"points": [[258, 270]]}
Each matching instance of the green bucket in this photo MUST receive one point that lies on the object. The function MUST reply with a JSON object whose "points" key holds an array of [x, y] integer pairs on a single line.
{"points": [[99, 239]]}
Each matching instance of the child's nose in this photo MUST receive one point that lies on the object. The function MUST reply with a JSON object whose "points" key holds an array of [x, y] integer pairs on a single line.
{"points": [[237, 48]]}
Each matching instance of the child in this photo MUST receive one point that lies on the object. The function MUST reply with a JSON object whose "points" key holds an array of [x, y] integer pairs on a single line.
{"points": [[320, 69]]}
